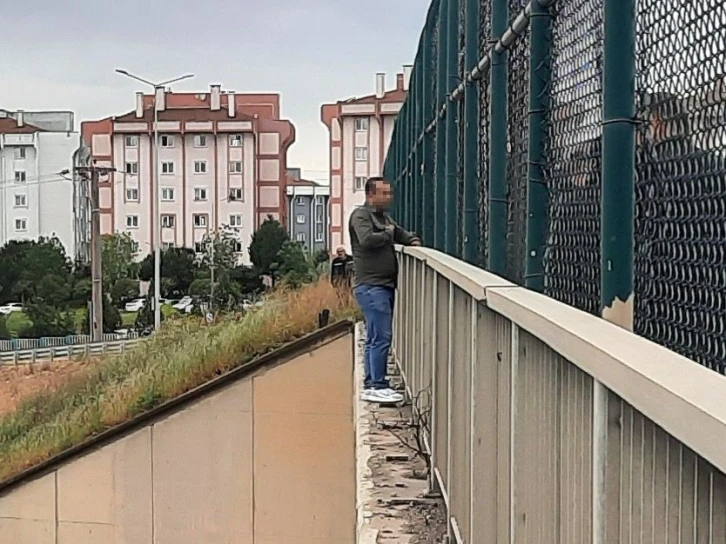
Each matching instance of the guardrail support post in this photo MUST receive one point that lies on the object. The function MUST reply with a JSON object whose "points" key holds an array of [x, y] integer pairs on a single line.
{"points": [[540, 36], [452, 156], [498, 115], [618, 213], [471, 136]]}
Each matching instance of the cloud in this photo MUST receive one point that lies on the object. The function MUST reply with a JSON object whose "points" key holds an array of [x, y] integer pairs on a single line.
{"points": [[62, 54]]}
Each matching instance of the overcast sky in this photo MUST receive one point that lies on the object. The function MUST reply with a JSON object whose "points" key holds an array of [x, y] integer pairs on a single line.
{"points": [[61, 54]]}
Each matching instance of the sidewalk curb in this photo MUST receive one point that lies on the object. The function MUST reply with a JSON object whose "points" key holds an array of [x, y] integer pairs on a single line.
{"points": [[365, 534]]}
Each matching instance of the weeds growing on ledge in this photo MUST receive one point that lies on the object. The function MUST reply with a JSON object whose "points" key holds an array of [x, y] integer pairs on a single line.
{"points": [[181, 356]]}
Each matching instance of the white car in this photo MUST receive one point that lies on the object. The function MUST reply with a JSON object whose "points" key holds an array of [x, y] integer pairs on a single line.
{"points": [[183, 304], [135, 305], [11, 307]]}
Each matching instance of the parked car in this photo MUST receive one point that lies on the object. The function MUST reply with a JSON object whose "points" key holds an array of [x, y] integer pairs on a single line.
{"points": [[135, 305], [11, 307], [183, 304], [248, 304]]}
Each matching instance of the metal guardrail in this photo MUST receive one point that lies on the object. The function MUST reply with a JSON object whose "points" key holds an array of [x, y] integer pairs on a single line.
{"points": [[55, 341], [56, 353], [549, 424]]}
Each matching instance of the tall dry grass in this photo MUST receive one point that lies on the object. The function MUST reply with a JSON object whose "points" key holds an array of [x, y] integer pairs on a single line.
{"points": [[183, 355]]}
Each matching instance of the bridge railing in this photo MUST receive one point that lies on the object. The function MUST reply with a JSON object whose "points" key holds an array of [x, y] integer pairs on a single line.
{"points": [[551, 425]]}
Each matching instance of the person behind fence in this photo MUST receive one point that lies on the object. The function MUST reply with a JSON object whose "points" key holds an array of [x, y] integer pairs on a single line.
{"points": [[373, 234], [341, 268]]}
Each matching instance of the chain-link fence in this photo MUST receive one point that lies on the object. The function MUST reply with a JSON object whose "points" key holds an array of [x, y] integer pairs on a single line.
{"points": [[680, 234], [679, 180]]}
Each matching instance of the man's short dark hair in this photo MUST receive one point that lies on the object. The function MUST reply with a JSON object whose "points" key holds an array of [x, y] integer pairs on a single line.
{"points": [[372, 183]]}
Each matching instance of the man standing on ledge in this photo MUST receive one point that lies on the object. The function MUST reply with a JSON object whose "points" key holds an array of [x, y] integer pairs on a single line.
{"points": [[372, 235]]}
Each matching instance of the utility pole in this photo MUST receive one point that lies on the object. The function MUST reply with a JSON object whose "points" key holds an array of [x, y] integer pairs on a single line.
{"points": [[93, 173]]}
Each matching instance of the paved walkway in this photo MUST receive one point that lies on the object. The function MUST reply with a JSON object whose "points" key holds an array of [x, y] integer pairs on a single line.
{"points": [[393, 506]]}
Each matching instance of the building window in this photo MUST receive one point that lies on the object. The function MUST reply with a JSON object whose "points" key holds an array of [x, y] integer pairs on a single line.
{"points": [[237, 246], [132, 221], [300, 201], [200, 167], [300, 219], [361, 124], [200, 220], [360, 183], [199, 247], [300, 237], [200, 194], [361, 153], [319, 233], [167, 194], [200, 140], [167, 141], [235, 194], [235, 167], [167, 167], [20, 176], [20, 153], [132, 141], [132, 168], [21, 201], [235, 220], [235, 140], [167, 221], [21, 225], [132, 195]]}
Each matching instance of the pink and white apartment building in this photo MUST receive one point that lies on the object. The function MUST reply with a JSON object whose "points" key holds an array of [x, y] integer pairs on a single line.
{"points": [[360, 133], [223, 163]]}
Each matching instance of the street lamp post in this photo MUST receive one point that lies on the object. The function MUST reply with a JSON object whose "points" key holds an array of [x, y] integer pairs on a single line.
{"points": [[157, 188]]}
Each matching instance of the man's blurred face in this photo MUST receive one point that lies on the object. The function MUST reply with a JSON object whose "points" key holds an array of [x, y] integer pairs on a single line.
{"points": [[340, 252], [382, 196]]}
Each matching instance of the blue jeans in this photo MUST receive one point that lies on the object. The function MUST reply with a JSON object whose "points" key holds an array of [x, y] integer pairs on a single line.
{"points": [[377, 305]]}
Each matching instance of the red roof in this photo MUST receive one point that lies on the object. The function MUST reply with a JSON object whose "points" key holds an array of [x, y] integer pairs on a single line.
{"points": [[8, 125], [183, 114], [398, 95]]}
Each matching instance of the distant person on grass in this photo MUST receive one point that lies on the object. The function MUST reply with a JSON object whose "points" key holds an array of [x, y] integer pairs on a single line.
{"points": [[372, 235], [341, 269]]}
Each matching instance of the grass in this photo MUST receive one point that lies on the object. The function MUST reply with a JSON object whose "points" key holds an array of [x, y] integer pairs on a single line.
{"points": [[183, 355]]}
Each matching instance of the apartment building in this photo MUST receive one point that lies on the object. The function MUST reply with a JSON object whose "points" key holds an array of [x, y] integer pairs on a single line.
{"points": [[36, 188], [222, 163], [307, 203], [360, 132]]}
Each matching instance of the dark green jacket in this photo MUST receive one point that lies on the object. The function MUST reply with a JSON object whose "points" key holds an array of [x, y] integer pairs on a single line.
{"points": [[374, 255]]}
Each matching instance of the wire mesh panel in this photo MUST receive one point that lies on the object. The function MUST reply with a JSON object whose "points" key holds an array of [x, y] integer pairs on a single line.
{"points": [[680, 246], [517, 147], [483, 162], [573, 155]]}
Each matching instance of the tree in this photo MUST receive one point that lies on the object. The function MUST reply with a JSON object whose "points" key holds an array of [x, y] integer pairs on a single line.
{"points": [[293, 267], [118, 256], [179, 267], [25, 263], [248, 279], [111, 319], [124, 290], [266, 243], [4, 333], [47, 320]]}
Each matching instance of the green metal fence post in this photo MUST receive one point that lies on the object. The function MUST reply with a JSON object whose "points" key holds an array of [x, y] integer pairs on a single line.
{"points": [[428, 165], [415, 93], [618, 163], [471, 136], [442, 86], [498, 145], [540, 37], [452, 158]]}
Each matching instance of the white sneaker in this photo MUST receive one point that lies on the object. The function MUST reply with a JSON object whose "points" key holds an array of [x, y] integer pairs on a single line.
{"points": [[383, 396]]}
